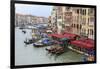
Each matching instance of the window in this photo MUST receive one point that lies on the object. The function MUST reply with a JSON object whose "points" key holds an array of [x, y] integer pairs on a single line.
{"points": [[92, 32], [80, 11], [77, 26], [88, 11], [85, 12], [88, 20], [83, 20], [67, 8], [60, 23], [80, 26], [74, 25], [91, 19], [77, 11], [88, 32], [63, 25], [91, 11], [59, 17]]}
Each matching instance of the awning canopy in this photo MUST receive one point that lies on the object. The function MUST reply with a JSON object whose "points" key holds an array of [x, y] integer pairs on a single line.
{"points": [[65, 35], [58, 35], [82, 44], [69, 35], [91, 41]]}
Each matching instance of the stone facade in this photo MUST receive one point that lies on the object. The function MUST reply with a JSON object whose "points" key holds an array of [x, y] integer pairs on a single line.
{"points": [[75, 20]]}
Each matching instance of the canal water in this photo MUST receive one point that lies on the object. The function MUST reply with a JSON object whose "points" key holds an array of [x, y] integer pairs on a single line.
{"points": [[30, 55]]}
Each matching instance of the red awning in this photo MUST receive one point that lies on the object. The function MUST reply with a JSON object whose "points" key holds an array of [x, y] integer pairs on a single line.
{"points": [[89, 41], [65, 35], [56, 35], [82, 44], [69, 35]]}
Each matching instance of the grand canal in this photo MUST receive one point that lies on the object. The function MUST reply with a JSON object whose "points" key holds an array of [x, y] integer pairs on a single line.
{"points": [[28, 54]]}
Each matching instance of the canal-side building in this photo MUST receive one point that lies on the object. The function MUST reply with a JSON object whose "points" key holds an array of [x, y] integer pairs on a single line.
{"points": [[88, 22], [33, 20], [28, 19], [75, 20], [54, 19], [91, 30], [42, 20], [23, 19], [64, 19], [59, 19], [20, 19], [67, 19], [45, 20], [49, 21], [83, 21]]}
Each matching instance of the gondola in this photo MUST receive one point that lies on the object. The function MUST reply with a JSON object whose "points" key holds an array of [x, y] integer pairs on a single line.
{"points": [[30, 41], [24, 31], [27, 42], [55, 50]]}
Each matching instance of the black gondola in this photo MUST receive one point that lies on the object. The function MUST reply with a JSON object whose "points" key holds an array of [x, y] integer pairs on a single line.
{"points": [[24, 31], [30, 41]]}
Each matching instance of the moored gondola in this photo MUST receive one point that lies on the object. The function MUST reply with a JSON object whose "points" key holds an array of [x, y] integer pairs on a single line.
{"points": [[55, 50], [29, 41], [23, 31]]}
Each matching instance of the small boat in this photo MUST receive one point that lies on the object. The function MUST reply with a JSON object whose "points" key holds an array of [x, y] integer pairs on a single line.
{"points": [[20, 28], [43, 42], [29, 41], [23, 31], [55, 50], [38, 44]]}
